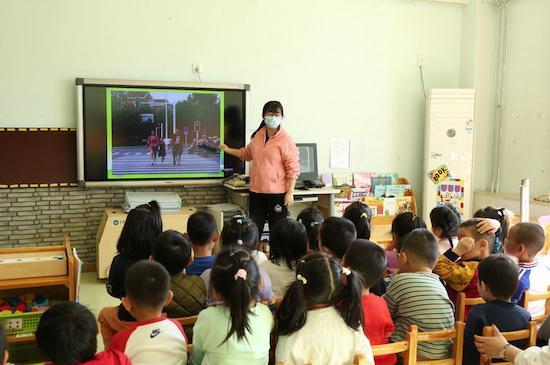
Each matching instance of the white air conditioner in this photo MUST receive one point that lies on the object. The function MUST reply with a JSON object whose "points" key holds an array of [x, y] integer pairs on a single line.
{"points": [[449, 149]]}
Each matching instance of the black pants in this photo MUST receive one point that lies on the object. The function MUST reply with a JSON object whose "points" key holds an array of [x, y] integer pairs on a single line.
{"points": [[267, 206]]}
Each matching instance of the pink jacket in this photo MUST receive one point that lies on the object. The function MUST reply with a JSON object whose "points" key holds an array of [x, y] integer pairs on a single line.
{"points": [[272, 163]]}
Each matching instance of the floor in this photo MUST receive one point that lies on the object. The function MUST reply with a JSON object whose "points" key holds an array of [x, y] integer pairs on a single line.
{"points": [[94, 295]]}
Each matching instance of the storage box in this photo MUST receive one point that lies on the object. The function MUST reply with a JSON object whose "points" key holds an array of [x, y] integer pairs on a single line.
{"points": [[20, 323], [20, 265]]}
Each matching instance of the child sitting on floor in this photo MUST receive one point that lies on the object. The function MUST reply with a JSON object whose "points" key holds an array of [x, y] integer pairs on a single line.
{"points": [[319, 320], [498, 278], [525, 240], [238, 331], [141, 229], [173, 251], [416, 296], [67, 334], [153, 339], [369, 260], [202, 231]]}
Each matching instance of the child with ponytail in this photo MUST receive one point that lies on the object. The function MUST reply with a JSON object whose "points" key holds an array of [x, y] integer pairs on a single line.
{"points": [[311, 218], [360, 214], [241, 232], [320, 318], [238, 331], [444, 226]]}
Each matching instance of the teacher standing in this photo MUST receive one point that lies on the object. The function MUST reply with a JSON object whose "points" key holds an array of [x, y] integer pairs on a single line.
{"points": [[275, 167]]}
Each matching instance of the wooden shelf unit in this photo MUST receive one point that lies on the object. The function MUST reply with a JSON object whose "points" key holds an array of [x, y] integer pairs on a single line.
{"points": [[67, 281]]}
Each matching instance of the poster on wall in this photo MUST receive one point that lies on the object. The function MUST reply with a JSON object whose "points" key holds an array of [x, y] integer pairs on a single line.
{"points": [[451, 191]]}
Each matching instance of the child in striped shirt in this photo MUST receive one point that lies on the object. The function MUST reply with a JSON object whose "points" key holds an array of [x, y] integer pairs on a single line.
{"points": [[416, 296]]}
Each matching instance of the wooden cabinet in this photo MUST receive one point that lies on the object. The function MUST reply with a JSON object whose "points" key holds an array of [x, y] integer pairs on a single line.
{"points": [[111, 226]]}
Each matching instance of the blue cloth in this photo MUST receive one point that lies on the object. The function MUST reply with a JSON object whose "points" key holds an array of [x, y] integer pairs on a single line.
{"points": [[525, 278], [199, 265], [507, 316]]}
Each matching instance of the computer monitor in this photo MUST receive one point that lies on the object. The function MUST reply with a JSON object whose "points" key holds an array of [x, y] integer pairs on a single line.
{"points": [[308, 161]]}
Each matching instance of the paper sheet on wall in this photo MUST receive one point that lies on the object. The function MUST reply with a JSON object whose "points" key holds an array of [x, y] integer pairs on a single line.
{"points": [[339, 153], [358, 154]]}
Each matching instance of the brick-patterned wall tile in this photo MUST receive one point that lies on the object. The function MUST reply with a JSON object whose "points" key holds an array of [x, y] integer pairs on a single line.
{"points": [[40, 216]]}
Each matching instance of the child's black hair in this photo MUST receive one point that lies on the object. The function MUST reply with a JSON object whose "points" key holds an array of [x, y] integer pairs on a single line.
{"points": [[422, 246], [236, 277], [240, 231], [531, 235], [403, 224], [287, 242], [272, 106], [67, 334], [3, 344], [368, 259], [143, 225], [501, 216], [456, 211], [336, 234], [500, 274], [173, 250], [443, 217], [201, 228], [360, 215], [147, 284], [471, 226], [320, 280], [311, 218]]}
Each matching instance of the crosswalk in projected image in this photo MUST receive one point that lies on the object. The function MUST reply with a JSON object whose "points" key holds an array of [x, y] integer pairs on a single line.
{"points": [[136, 160]]}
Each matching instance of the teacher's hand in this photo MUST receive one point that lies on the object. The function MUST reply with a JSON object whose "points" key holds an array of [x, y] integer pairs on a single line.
{"points": [[289, 198], [490, 346]]}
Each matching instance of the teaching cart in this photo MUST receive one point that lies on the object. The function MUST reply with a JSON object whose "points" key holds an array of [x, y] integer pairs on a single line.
{"points": [[111, 226], [322, 198]]}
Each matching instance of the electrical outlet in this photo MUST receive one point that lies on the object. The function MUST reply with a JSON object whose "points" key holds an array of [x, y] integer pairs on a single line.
{"points": [[197, 68], [14, 323], [420, 60]]}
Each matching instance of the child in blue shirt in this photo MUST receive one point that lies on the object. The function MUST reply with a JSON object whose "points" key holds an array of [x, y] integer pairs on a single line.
{"points": [[498, 278], [202, 231]]}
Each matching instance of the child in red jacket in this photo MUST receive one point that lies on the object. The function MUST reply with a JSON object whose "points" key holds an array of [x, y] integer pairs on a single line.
{"points": [[369, 260]]}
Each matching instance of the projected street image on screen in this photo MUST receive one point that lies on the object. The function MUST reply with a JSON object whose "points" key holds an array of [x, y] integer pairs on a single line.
{"points": [[165, 133]]}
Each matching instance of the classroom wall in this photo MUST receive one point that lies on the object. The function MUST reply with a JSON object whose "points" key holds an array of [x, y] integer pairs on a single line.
{"points": [[479, 57], [341, 69], [526, 122]]}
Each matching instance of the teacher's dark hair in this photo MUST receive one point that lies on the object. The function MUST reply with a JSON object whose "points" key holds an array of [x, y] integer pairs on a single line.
{"points": [[272, 106]]}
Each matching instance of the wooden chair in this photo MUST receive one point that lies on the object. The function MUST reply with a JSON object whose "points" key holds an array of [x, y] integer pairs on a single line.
{"points": [[529, 334], [462, 302], [358, 360], [530, 297], [456, 334], [187, 321], [401, 347]]}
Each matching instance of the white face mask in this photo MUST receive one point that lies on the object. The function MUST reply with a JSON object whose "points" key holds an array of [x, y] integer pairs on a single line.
{"points": [[273, 122]]}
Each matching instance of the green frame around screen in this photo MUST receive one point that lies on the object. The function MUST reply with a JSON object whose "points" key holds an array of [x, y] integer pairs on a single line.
{"points": [[109, 113]]}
